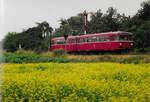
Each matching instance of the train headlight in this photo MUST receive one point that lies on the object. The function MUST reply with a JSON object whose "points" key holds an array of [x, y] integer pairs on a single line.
{"points": [[131, 44], [120, 44]]}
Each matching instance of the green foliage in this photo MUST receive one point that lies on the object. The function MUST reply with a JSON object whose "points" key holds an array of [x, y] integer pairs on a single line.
{"points": [[104, 22], [35, 39], [142, 35], [144, 12], [60, 56], [23, 57], [59, 53], [11, 42], [70, 26]]}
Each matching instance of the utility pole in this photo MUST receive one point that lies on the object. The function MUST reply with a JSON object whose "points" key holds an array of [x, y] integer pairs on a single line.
{"points": [[85, 14], [49, 44]]}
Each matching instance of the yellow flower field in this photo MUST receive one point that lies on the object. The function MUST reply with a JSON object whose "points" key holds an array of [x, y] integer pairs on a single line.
{"points": [[76, 82]]}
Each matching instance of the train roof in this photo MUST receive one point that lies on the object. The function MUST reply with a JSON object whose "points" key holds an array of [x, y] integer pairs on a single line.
{"points": [[108, 33], [96, 34]]}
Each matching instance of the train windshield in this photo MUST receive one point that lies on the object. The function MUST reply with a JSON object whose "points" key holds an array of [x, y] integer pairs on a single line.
{"points": [[125, 37]]}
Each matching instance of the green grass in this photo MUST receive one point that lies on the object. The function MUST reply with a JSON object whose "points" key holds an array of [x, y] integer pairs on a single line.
{"points": [[31, 57]]}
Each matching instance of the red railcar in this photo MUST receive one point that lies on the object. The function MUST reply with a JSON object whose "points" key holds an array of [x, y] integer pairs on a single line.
{"points": [[109, 41]]}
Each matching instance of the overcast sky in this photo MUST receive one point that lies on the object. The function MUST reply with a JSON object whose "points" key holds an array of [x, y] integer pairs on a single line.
{"points": [[17, 15]]}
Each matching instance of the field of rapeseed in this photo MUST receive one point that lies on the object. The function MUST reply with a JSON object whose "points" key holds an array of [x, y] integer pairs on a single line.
{"points": [[76, 82]]}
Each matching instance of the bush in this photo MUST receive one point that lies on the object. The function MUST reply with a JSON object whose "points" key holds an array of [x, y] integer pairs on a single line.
{"points": [[59, 53], [25, 52], [60, 56], [22, 56]]}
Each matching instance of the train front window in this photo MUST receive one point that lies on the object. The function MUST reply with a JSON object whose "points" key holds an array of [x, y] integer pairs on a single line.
{"points": [[125, 38]]}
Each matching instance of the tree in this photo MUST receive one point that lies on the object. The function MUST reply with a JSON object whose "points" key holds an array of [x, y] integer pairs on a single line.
{"points": [[70, 26], [10, 42], [141, 26], [104, 22], [35, 38], [110, 20], [31, 39], [144, 12], [76, 24], [46, 33], [45, 28], [96, 24]]}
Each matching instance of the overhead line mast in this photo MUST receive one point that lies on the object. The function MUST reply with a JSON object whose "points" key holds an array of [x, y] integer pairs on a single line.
{"points": [[85, 14]]}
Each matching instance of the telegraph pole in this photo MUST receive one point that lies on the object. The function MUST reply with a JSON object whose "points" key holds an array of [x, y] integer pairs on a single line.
{"points": [[85, 14]]}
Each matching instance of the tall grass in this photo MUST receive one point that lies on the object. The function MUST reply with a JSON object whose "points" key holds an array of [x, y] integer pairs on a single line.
{"points": [[60, 56]]}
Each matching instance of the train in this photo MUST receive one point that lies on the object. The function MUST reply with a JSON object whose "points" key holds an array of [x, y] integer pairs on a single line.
{"points": [[97, 42]]}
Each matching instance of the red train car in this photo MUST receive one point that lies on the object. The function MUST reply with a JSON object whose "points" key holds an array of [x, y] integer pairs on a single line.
{"points": [[109, 41]]}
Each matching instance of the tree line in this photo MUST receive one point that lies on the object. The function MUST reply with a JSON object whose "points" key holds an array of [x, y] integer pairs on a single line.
{"points": [[37, 38]]}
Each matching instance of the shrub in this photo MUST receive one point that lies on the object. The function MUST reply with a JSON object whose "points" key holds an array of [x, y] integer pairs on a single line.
{"points": [[25, 52], [59, 53], [60, 56], [22, 56]]}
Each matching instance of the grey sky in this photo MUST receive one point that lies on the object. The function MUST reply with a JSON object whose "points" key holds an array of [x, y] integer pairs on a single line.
{"points": [[22, 14]]}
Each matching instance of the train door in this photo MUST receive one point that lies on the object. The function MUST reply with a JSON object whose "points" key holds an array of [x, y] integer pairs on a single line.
{"points": [[71, 45]]}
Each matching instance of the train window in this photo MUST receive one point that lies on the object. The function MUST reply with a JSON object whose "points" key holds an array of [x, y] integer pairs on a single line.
{"points": [[60, 41], [94, 39], [104, 38], [112, 38], [124, 38], [85, 39], [89, 39], [82, 40], [130, 37], [72, 41], [78, 40], [101, 38]]}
